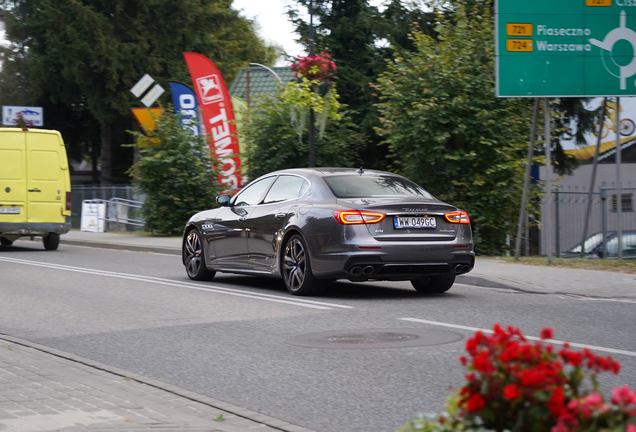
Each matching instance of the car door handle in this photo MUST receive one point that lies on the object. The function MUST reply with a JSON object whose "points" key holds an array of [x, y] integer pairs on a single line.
{"points": [[280, 215], [35, 190]]}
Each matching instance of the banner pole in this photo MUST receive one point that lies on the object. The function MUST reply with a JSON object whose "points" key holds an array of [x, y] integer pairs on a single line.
{"points": [[548, 173], [590, 194], [619, 189], [526, 183]]}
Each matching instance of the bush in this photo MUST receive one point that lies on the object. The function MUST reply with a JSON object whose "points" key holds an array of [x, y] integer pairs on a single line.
{"points": [[176, 173], [519, 386]]}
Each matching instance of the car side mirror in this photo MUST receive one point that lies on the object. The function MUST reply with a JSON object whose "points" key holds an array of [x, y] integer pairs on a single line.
{"points": [[223, 200]]}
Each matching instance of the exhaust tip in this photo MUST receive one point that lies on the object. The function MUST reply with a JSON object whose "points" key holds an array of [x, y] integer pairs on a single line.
{"points": [[458, 268], [368, 270], [356, 271], [465, 269]]}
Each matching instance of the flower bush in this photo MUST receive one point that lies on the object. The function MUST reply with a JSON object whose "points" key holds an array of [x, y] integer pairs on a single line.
{"points": [[517, 385], [314, 87], [319, 67]]}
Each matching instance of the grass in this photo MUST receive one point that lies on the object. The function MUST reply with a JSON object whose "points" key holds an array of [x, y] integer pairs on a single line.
{"points": [[613, 265]]}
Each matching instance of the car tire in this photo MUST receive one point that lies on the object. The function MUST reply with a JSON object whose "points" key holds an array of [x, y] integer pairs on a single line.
{"points": [[5, 242], [194, 257], [51, 241], [296, 268], [434, 284]]}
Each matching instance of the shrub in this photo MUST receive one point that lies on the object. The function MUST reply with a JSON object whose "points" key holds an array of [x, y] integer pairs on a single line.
{"points": [[521, 386], [176, 173]]}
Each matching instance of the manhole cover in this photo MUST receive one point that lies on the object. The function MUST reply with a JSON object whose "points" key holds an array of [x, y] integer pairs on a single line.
{"points": [[370, 338], [375, 338]]}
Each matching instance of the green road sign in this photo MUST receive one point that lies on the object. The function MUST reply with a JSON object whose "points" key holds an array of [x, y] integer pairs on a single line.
{"points": [[552, 48]]}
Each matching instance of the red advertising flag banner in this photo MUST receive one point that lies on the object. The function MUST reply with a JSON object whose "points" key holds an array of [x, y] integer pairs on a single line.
{"points": [[218, 117]]}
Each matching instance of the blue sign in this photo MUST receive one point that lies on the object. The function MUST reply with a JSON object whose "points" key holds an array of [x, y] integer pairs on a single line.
{"points": [[33, 116], [185, 103]]}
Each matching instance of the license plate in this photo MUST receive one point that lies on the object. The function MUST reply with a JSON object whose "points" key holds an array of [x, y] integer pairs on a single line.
{"points": [[414, 222], [9, 210]]}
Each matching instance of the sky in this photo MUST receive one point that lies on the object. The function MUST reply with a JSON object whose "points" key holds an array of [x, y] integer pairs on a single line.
{"points": [[274, 27]]}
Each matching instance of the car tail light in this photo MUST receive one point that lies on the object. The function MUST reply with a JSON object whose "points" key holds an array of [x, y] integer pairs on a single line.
{"points": [[353, 217], [68, 201], [458, 217]]}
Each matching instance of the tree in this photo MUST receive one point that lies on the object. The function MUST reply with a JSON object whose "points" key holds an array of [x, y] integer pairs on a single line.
{"points": [[87, 54], [176, 174], [448, 132], [274, 142]]}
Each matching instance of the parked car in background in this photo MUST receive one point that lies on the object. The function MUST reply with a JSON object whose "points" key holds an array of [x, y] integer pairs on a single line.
{"points": [[594, 246], [309, 226]]}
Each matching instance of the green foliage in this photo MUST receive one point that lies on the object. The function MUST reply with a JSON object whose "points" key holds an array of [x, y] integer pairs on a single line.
{"points": [[83, 56], [176, 174], [448, 132], [274, 143]]}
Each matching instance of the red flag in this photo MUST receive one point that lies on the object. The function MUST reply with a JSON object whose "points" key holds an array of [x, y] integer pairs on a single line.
{"points": [[218, 116]]}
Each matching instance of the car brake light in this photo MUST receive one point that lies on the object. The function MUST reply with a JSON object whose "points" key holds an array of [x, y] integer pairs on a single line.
{"points": [[458, 217], [352, 217], [68, 201]]}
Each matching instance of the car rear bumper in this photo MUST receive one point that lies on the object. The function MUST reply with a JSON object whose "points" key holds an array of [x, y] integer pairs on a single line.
{"points": [[21, 229]]}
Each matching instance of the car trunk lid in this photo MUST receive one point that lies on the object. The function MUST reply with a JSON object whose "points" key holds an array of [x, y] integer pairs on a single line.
{"points": [[407, 221]]}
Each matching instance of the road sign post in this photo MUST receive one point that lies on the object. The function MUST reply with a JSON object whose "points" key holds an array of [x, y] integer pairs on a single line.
{"points": [[568, 48]]}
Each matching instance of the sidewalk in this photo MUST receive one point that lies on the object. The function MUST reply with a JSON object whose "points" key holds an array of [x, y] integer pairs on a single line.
{"points": [[488, 272], [45, 390]]}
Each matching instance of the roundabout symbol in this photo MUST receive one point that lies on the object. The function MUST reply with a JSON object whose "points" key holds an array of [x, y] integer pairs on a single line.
{"points": [[607, 44]]}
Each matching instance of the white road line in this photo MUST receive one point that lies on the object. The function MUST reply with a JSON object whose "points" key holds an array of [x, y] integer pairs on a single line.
{"points": [[552, 341], [200, 287]]}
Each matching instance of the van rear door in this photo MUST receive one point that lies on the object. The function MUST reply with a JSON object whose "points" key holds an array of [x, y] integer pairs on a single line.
{"points": [[13, 191], [47, 168]]}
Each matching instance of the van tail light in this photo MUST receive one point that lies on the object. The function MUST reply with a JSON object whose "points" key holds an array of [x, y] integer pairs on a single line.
{"points": [[354, 217], [68, 201], [457, 217]]}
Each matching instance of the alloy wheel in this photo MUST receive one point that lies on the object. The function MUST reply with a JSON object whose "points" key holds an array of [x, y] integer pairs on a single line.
{"points": [[295, 264], [193, 260]]}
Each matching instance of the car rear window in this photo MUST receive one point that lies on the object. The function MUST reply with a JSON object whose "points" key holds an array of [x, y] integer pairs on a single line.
{"points": [[374, 186]]}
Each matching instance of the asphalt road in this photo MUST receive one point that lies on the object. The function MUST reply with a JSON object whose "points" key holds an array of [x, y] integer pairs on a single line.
{"points": [[246, 341]]}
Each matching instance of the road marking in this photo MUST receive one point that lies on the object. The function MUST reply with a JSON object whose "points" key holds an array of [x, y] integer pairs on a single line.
{"points": [[190, 285], [534, 338]]}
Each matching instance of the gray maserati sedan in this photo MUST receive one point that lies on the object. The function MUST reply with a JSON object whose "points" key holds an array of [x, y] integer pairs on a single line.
{"points": [[310, 226]]}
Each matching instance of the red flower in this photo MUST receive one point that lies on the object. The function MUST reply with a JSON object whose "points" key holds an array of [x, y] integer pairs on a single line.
{"points": [[511, 392], [475, 403], [555, 403], [546, 333], [483, 364]]}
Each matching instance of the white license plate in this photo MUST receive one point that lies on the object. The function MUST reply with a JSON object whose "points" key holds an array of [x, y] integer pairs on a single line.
{"points": [[9, 210], [414, 222]]}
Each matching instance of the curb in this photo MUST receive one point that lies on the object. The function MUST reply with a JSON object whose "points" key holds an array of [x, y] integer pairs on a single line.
{"points": [[177, 391], [122, 246]]}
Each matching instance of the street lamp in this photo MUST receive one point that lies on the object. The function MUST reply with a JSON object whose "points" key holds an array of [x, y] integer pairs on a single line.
{"points": [[312, 146]]}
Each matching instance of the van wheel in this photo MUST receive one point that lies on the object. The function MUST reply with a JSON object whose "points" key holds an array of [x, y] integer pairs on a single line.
{"points": [[5, 242], [51, 241]]}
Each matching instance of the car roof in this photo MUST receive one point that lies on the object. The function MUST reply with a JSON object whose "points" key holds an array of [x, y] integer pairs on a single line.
{"points": [[330, 171]]}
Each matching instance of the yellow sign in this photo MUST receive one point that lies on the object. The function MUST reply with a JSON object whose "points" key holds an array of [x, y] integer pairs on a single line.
{"points": [[519, 45], [147, 116], [515, 29], [598, 2]]}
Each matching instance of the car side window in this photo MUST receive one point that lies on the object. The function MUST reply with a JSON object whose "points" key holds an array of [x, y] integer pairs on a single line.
{"points": [[252, 194], [286, 188]]}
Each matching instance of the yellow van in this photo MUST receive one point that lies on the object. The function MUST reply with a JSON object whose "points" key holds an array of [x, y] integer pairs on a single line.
{"points": [[35, 186]]}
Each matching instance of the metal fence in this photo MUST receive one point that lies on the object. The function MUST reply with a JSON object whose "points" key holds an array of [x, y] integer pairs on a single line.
{"points": [[124, 213], [570, 207]]}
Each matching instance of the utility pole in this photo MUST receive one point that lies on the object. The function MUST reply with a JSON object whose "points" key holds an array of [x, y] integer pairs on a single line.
{"points": [[312, 144]]}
